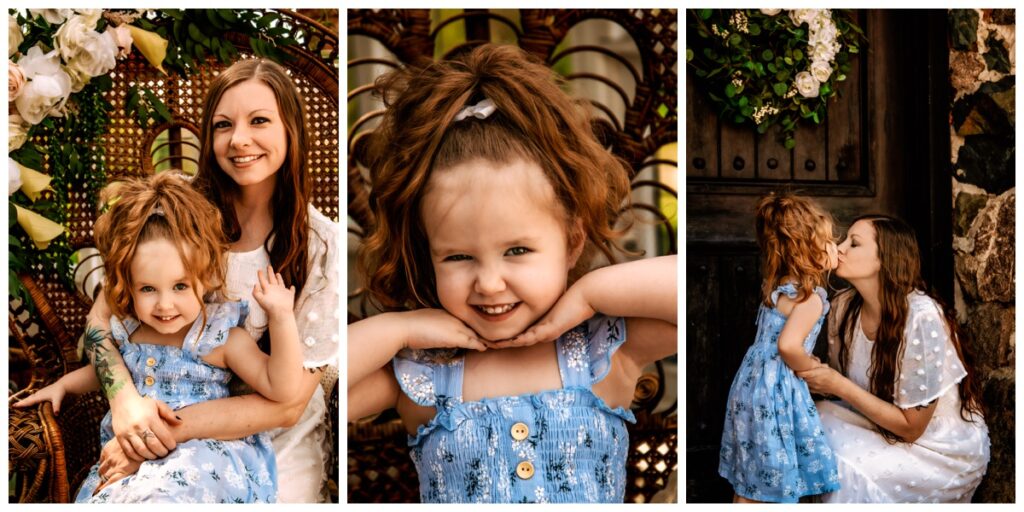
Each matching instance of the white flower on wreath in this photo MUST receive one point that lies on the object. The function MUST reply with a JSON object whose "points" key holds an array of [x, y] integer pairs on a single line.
{"points": [[770, 12], [48, 86], [821, 70], [52, 16], [801, 16], [13, 177], [87, 53], [122, 38], [15, 80], [807, 85], [14, 35], [17, 132]]}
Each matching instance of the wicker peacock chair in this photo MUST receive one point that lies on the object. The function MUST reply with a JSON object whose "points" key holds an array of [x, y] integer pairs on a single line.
{"points": [[51, 455], [378, 459]]}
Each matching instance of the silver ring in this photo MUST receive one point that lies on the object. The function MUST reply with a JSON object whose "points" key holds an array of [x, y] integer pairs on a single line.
{"points": [[145, 434], [103, 479]]}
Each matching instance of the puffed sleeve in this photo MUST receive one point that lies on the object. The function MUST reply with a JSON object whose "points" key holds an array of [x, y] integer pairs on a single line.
{"points": [[930, 364], [317, 307], [415, 375], [605, 335], [220, 318]]}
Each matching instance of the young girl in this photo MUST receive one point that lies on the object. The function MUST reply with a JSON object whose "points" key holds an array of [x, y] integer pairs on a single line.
{"points": [[773, 446], [491, 193], [164, 250]]}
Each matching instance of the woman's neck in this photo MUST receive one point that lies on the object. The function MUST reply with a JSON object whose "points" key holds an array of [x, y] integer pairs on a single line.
{"points": [[255, 217], [868, 290]]}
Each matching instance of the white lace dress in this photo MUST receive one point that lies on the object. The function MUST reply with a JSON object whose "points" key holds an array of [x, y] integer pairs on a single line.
{"points": [[303, 449], [947, 462]]}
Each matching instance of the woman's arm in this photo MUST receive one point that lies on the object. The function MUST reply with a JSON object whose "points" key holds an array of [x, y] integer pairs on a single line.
{"points": [[132, 415], [238, 416], [909, 424]]}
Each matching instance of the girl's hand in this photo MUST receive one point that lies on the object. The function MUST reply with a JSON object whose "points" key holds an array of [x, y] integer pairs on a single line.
{"points": [[54, 393], [437, 328], [114, 464], [570, 310], [272, 295], [140, 427], [822, 379]]}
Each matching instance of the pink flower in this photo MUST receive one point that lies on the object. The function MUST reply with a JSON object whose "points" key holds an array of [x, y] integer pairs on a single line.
{"points": [[15, 80], [123, 38]]}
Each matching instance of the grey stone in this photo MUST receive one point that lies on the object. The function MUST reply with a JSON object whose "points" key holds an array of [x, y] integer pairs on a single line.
{"points": [[966, 210], [987, 271], [964, 68], [990, 332], [998, 397], [963, 28], [988, 162], [1001, 16], [984, 113], [997, 58]]}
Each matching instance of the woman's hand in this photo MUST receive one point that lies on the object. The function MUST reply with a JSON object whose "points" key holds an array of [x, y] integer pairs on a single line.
{"points": [[272, 295], [54, 393], [114, 464], [823, 379], [571, 309], [141, 427], [437, 328]]}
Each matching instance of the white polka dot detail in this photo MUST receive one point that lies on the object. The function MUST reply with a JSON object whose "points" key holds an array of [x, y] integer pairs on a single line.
{"points": [[309, 341]]}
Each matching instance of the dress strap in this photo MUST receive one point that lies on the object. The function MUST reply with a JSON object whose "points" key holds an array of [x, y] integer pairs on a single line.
{"points": [[584, 353], [430, 377]]}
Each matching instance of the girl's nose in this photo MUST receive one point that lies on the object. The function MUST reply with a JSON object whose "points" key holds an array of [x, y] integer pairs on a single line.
{"points": [[489, 281]]}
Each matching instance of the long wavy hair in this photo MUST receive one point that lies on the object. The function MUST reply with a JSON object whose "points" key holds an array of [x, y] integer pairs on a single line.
{"points": [[899, 276], [292, 186], [792, 233], [160, 207], [534, 120]]}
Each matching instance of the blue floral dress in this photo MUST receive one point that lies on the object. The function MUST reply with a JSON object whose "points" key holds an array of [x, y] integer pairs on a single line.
{"points": [[773, 446], [200, 470], [558, 446]]}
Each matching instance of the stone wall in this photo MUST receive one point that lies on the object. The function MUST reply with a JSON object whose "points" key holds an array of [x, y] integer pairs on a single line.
{"points": [[983, 79]]}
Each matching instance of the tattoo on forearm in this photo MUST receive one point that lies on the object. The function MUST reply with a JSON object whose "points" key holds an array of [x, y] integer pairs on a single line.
{"points": [[103, 360]]}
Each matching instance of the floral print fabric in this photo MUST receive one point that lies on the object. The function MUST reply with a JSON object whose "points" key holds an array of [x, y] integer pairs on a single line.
{"points": [[574, 444], [773, 445], [200, 470]]}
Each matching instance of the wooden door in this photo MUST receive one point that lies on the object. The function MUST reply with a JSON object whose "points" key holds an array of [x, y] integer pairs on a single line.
{"points": [[884, 148]]}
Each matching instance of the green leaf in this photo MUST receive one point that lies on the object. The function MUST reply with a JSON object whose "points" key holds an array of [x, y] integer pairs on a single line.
{"points": [[689, 55], [194, 33], [755, 29], [228, 15], [704, 13], [266, 20], [780, 89], [790, 143], [735, 39], [814, 117], [788, 61], [798, 55], [767, 55], [730, 90], [742, 102]]}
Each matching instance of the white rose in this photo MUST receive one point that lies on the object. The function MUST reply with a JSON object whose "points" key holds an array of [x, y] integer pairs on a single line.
{"points": [[821, 70], [14, 35], [87, 53], [122, 38], [806, 85], [801, 16], [91, 16], [48, 86], [13, 177], [52, 16], [17, 132], [824, 51], [823, 33], [770, 12]]}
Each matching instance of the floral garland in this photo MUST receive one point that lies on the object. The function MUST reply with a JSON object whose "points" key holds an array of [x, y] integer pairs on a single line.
{"points": [[761, 69], [59, 61]]}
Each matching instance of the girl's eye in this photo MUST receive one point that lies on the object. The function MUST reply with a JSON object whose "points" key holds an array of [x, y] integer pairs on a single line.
{"points": [[457, 257], [221, 124], [180, 287], [517, 251], [147, 289], [259, 120]]}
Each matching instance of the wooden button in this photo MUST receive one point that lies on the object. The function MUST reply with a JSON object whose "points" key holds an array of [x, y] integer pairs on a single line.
{"points": [[150, 361], [520, 431], [150, 380], [525, 470]]}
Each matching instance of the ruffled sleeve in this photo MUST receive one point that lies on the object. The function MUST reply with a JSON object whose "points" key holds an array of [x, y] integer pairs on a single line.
{"points": [[790, 290], [317, 312], [220, 318], [930, 364], [415, 373], [605, 335]]}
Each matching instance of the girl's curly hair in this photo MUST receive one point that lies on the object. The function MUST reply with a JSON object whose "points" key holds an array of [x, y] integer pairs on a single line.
{"points": [[534, 120], [167, 207], [792, 233]]}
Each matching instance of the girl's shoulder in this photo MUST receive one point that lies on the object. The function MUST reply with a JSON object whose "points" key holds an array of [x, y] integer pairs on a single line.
{"points": [[791, 291]]}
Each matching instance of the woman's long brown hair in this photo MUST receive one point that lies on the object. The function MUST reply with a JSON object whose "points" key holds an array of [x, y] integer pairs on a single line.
{"points": [[900, 275], [534, 120], [292, 188]]}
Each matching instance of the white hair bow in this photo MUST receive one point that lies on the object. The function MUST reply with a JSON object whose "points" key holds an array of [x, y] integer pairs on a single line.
{"points": [[480, 110]]}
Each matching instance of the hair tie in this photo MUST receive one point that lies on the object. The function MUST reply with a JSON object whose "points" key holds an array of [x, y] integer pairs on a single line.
{"points": [[480, 111], [157, 210]]}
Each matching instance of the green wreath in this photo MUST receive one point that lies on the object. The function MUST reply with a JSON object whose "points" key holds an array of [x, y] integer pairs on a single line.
{"points": [[768, 66]]}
